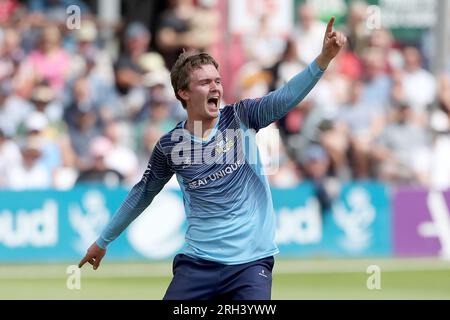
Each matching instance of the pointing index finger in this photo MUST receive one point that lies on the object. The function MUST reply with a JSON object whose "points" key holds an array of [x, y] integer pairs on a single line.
{"points": [[330, 25], [83, 261]]}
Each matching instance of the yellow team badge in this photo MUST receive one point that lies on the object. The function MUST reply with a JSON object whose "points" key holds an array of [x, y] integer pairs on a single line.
{"points": [[223, 146]]}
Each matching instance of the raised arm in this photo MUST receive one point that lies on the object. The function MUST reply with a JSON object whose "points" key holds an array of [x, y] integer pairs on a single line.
{"points": [[158, 173], [258, 113]]}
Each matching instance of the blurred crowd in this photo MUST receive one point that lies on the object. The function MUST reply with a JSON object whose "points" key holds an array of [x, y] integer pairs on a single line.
{"points": [[73, 110]]}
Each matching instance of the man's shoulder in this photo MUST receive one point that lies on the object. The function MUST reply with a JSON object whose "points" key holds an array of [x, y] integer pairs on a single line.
{"points": [[168, 140], [227, 110]]}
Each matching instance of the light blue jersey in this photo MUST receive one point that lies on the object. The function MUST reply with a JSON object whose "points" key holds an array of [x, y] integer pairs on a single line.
{"points": [[226, 196]]}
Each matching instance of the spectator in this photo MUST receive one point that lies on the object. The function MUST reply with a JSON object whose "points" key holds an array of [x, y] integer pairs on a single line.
{"points": [[130, 68], [128, 71], [13, 110], [316, 165], [205, 23], [88, 57], [83, 97], [307, 33], [286, 67], [264, 46], [50, 62], [418, 84], [98, 172], [377, 92], [158, 88], [7, 9], [29, 173], [9, 157], [439, 123], [119, 156], [361, 125], [356, 28], [44, 101], [84, 127], [382, 39], [439, 120], [398, 147], [174, 32], [53, 147], [152, 127], [11, 54], [349, 64]]}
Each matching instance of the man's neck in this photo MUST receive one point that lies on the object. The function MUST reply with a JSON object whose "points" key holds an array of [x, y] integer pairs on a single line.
{"points": [[200, 128]]}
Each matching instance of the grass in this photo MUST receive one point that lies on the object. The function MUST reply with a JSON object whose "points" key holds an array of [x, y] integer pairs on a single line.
{"points": [[292, 279]]}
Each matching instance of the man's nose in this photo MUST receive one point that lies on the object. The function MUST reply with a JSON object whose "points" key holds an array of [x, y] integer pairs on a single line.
{"points": [[214, 86]]}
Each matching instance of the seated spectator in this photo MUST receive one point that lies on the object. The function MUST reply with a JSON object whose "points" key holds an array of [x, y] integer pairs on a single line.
{"points": [[361, 125], [418, 84], [83, 126], [9, 157], [315, 166], [286, 67], [7, 9], [98, 172], [439, 117], [29, 173], [120, 156], [157, 84], [398, 147], [264, 46], [45, 102], [13, 110], [128, 71], [36, 127], [349, 64], [89, 57], [356, 26], [377, 93], [438, 176], [11, 53], [174, 32], [49, 62], [307, 33]]}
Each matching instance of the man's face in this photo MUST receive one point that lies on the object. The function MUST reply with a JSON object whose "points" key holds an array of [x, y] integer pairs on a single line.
{"points": [[204, 92]]}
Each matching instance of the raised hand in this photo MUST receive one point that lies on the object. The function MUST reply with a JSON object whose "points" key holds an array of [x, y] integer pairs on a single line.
{"points": [[333, 42]]}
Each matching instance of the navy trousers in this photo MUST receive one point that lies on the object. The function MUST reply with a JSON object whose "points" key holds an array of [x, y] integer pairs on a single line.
{"points": [[198, 279]]}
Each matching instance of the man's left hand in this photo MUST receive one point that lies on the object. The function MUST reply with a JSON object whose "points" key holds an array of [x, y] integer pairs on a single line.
{"points": [[333, 42]]}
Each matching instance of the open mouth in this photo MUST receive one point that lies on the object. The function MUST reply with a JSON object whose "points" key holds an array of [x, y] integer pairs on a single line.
{"points": [[214, 101]]}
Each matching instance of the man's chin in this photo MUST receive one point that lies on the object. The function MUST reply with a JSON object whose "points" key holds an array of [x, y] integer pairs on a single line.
{"points": [[212, 113]]}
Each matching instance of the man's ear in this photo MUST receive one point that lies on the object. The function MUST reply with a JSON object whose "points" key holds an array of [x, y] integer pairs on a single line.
{"points": [[183, 94]]}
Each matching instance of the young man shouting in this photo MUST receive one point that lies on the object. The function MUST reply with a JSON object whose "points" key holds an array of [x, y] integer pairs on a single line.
{"points": [[231, 224]]}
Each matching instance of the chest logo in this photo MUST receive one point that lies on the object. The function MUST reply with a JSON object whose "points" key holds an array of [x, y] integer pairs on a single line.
{"points": [[223, 146]]}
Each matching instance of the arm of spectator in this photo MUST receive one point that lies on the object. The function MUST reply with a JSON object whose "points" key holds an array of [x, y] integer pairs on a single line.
{"points": [[377, 126], [381, 153], [127, 77], [168, 39]]}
